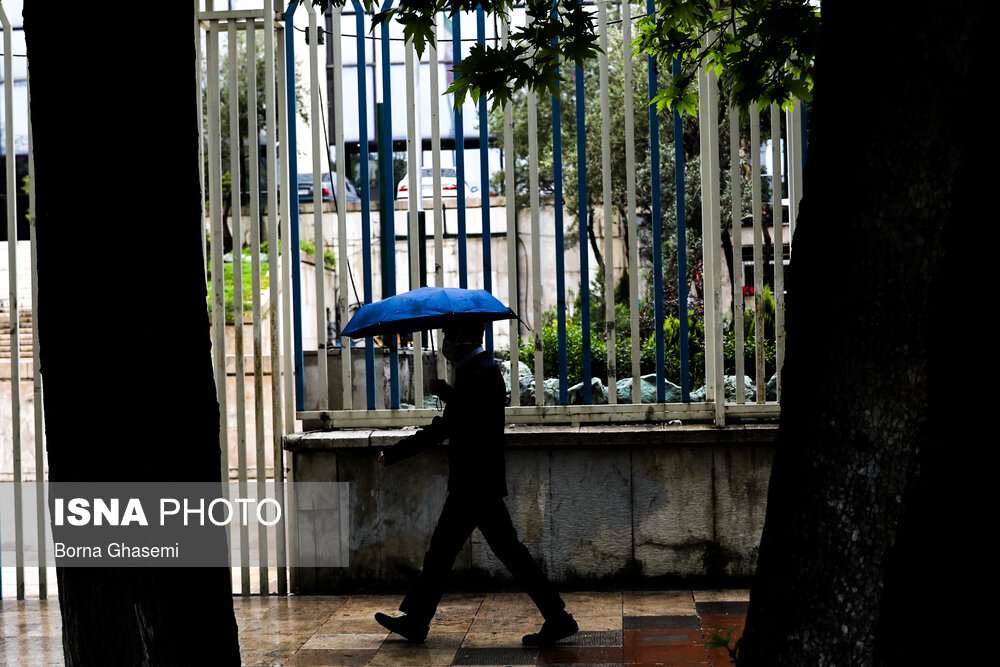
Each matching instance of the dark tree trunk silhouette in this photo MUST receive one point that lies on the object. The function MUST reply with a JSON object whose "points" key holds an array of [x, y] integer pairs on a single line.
{"points": [[869, 537], [122, 318]]}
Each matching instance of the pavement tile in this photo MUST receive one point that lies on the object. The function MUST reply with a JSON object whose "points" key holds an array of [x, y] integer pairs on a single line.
{"points": [[641, 638], [500, 655], [661, 623], [330, 657], [657, 603], [718, 608], [348, 641], [584, 655], [723, 595], [671, 655], [610, 622], [276, 656], [492, 639]]}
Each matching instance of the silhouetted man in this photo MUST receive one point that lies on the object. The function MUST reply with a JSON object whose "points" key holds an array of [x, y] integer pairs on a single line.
{"points": [[473, 423]]}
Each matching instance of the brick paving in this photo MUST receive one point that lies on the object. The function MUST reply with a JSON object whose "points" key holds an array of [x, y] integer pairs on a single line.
{"points": [[616, 628]]}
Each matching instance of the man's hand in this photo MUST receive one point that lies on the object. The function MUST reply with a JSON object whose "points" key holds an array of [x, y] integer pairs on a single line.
{"points": [[381, 459], [442, 389]]}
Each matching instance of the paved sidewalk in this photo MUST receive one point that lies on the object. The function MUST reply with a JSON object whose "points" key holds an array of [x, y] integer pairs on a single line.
{"points": [[616, 628]]}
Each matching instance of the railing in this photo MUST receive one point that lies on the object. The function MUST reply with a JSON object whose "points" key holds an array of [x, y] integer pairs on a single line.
{"points": [[233, 41], [517, 250], [395, 242]]}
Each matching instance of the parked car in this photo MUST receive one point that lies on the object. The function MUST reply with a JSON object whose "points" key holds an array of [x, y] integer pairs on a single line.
{"points": [[328, 184], [449, 184]]}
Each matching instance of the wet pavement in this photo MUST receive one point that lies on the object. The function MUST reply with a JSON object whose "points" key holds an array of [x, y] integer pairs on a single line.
{"points": [[616, 628]]}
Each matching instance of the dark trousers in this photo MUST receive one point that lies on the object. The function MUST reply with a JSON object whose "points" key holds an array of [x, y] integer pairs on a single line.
{"points": [[458, 518]]}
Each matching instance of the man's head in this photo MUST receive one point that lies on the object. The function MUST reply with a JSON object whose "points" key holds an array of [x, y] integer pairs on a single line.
{"points": [[460, 339]]}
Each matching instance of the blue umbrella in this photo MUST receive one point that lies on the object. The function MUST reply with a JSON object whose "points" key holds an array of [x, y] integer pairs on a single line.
{"points": [[426, 308]]}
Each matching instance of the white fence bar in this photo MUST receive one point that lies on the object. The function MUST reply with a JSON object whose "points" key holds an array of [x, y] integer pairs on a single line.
{"points": [[510, 197], [536, 245], [711, 240], [237, 204], [15, 338], [793, 124], [284, 117], [778, 245], [215, 212], [436, 203], [415, 201], [40, 467], [346, 365], [274, 298], [633, 231], [739, 302], [758, 251], [319, 150], [256, 279], [609, 248]]}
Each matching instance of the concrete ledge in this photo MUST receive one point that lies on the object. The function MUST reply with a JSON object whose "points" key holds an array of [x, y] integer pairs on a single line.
{"points": [[596, 505], [624, 435]]}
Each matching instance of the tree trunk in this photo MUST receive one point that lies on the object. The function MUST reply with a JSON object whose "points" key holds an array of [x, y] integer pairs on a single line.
{"points": [[125, 349], [862, 552]]}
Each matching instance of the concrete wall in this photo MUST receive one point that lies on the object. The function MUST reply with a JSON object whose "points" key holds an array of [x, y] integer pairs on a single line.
{"points": [[594, 505]]}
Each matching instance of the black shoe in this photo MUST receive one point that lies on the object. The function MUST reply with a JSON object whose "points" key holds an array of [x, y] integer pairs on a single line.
{"points": [[553, 630], [407, 626]]}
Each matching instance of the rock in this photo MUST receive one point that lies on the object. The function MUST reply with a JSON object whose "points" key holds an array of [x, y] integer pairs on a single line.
{"points": [[771, 388], [598, 390], [525, 379]]}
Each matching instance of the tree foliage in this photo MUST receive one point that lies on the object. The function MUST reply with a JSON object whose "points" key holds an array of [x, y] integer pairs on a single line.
{"points": [[762, 50]]}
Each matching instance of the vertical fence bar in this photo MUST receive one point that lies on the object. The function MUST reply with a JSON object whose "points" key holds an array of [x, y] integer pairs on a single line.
{"points": [[388, 197], [256, 281], [758, 251], [510, 200], [366, 238], [657, 228], [739, 302], [610, 335], [779, 248], [236, 199], [292, 196], [536, 244], [319, 151], [346, 359], [40, 525], [793, 132], [415, 196], [273, 255], [560, 258], [484, 180], [286, 113], [15, 337], [715, 238], [582, 224], [682, 283], [436, 198], [459, 134], [706, 127], [633, 231], [217, 222], [201, 133]]}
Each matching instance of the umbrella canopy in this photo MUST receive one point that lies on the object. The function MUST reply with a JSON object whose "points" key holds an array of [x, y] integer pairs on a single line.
{"points": [[426, 308]]}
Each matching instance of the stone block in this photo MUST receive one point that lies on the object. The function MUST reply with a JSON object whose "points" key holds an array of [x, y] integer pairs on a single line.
{"points": [[672, 510]]}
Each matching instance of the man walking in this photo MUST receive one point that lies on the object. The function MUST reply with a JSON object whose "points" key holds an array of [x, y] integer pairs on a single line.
{"points": [[473, 423]]}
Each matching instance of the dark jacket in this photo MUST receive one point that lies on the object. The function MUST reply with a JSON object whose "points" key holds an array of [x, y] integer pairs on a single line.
{"points": [[472, 422]]}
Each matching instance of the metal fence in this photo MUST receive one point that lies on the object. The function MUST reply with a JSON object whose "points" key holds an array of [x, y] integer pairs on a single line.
{"points": [[373, 77], [375, 86]]}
